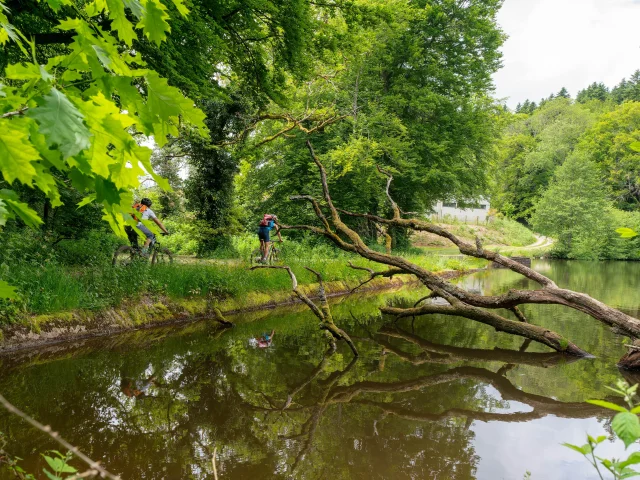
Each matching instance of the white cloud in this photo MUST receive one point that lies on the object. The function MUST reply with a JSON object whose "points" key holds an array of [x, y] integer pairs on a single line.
{"points": [[566, 43]]}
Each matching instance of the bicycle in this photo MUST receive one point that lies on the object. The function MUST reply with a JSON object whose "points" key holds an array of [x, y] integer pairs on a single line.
{"points": [[273, 255], [127, 254]]}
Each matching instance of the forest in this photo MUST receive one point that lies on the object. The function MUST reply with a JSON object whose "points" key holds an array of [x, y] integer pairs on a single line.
{"points": [[341, 125], [384, 84], [569, 168]]}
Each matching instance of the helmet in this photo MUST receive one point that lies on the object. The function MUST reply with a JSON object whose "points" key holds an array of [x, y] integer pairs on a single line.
{"points": [[146, 202]]}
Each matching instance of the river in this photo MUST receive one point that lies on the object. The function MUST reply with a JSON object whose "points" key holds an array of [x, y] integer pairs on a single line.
{"points": [[437, 398]]}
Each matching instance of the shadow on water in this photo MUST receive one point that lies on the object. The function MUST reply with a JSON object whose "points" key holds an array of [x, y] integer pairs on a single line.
{"points": [[440, 398]]}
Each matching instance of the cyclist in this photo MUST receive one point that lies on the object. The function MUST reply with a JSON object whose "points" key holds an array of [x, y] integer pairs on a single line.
{"points": [[267, 224], [144, 208]]}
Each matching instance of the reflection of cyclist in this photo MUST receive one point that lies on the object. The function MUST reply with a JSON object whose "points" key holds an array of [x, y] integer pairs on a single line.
{"points": [[267, 224], [144, 208], [136, 388], [264, 341]]}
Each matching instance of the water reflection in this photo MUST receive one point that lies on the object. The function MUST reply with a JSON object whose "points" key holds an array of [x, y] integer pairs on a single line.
{"points": [[442, 398]]}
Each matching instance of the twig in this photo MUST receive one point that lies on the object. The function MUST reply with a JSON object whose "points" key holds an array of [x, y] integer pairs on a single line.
{"points": [[56, 436], [13, 114], [213, 462]]}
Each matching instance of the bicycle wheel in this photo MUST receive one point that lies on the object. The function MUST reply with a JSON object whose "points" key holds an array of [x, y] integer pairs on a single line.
{"points": [[255, 257], [124, 255], [161, 256], [274, 255]]}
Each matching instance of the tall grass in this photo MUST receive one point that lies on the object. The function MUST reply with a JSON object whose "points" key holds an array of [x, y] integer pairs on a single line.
{"points": [[79, 275]]}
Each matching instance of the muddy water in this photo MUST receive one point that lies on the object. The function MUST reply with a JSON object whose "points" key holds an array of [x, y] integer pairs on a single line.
{"points": [[439, 398]]}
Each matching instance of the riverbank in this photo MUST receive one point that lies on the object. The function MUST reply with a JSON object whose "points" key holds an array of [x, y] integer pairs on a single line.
{"points": [[147, 312]]}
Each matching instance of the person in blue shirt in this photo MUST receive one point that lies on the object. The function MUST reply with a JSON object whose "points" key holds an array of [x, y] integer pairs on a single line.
{"points": [[267, 224]]}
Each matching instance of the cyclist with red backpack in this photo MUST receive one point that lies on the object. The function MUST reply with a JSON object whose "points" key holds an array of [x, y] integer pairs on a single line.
{"points": [[144, 209], [267, 224]]}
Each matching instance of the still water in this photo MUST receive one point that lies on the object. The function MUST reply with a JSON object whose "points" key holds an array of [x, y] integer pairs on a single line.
{"points": [[439, 398]]}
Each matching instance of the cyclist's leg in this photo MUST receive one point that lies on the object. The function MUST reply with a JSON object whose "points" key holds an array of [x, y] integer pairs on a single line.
{"points": [[262, 239], [132, 236], [267, 244], [150, 237]]}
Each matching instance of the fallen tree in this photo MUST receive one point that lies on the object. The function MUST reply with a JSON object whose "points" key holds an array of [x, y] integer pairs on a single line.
{"points": [[460, 302], [323, 312]]}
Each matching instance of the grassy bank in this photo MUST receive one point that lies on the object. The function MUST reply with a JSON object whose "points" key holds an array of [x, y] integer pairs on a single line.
{"points": [[79, 276], [499, 232]]}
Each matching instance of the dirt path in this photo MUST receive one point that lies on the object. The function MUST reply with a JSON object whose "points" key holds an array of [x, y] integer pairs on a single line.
{"points": [[541, 242]]}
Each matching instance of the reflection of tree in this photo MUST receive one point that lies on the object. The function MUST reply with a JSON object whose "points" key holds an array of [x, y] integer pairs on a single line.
{"points": [[436, 353], [364, 393], [300, 415]]}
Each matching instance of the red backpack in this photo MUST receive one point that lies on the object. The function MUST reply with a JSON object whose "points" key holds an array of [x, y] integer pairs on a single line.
{"points": [[140, 208], [265, 220]]}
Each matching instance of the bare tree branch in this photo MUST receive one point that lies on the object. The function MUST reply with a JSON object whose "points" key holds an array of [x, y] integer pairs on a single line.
{"points": [[56, 436], [324, 312], [462, 302]]}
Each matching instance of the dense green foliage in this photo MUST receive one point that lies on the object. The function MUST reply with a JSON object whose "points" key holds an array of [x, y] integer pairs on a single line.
{"points": [[412, 94], [401, 84], [581, 204], [574, 209]]}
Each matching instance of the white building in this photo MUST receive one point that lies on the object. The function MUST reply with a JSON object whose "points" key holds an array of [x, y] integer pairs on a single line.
{"points": [[475, 212]]}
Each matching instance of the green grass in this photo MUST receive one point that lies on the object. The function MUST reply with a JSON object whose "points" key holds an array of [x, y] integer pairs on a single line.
{"points": [[51, 286], [499, 232]]}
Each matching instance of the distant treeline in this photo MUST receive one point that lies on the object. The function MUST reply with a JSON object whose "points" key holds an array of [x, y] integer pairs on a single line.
{"points": [[626, 90], [571, 169]]}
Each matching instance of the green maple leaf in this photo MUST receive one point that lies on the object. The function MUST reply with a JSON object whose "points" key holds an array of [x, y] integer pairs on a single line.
{"points": [[181, 7], [167, 102], [57, 4], [4, 214], [135, 6], [154, 21], [61, 123], [6, 290], [16, 154], [17, 71], [120, 22], [28, 216]]}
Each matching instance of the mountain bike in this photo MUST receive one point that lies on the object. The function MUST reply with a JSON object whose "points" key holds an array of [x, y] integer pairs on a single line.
{"points": [[273, 255], [127, 254]]}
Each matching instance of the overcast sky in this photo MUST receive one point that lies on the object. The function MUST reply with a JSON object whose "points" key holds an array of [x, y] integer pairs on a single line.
{"points": [[570, 43]]}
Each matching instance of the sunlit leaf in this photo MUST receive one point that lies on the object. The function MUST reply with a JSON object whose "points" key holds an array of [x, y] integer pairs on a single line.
{"points": [[154, 21], [166, 102], [609, 405], [120, 22], [626, 232], [16, 154], [7, 291], [626, 426], [635, 146], [632, 459], [18, 71], [578, 449], [181, 7], [56, 5]]}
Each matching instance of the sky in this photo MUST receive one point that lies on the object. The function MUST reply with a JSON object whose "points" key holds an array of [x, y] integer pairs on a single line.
{"points": [[570, 43]]}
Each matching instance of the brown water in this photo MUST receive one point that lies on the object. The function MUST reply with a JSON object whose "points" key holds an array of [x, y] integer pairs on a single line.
{"points": [[442, 398]]}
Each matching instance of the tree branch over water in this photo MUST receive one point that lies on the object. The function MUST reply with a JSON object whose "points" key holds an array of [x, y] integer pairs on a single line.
{"points": [[461, 302]]}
